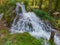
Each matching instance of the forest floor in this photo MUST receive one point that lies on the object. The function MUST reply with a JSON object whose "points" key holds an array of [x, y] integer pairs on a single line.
{"points": [[3, 25]]}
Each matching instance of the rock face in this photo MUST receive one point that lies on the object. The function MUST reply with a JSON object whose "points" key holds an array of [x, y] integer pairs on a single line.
{"points": [[55, 14]]}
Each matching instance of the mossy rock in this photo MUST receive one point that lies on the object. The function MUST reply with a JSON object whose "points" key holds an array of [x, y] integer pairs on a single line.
{"points": [[17, 39], [57, 24], [22, 39]]}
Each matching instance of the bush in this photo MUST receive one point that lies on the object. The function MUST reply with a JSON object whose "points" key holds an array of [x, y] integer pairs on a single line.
{"points": [[7, 9], [42, 14], [17, 39]]}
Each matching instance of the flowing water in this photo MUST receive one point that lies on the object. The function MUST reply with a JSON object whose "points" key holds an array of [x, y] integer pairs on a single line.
{"points": [[1, 15], [29, 22]]}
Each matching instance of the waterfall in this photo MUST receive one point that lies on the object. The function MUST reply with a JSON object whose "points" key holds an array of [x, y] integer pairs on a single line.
{"points": [[29, 22], [22, 7]]}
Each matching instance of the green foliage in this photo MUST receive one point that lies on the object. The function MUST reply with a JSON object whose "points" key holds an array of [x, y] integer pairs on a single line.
{"points": [[4, 32], [42, 14], [8, 10], [41, 41], [17, 39], [26, 2], [20, 39], [56, 24], [8, 43], [51, 42]]}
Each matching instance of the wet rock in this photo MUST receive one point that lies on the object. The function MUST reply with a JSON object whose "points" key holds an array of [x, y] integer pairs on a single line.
{"points": [[5, 25]]}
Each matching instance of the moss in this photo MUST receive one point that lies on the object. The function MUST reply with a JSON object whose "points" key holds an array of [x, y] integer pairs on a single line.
{"points": [[21, 39], [42, 14], [17, 39], [51, 42], [56, 24]]}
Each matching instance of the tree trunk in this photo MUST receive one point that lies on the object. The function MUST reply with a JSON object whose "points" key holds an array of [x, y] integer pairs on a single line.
{"points": [[40, 4], [32, 2], [56, 5], [50, 6]]}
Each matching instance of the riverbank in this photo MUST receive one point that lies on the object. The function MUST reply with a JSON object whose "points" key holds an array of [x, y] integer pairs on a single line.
{"points": [[3, 25]]}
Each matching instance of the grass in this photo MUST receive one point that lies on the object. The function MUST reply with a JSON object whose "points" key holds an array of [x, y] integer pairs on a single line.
{"points": [[7, 9], [17, 39], [20, 39], [42, 14]]}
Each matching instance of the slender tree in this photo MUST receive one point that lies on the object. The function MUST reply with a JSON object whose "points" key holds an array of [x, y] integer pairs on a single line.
{"points": [[56, 4], [50, 6], [32, 2], [40, 4]]}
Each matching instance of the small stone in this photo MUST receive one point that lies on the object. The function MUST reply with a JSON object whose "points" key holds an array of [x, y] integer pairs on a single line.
{"points": [[4, 24]]}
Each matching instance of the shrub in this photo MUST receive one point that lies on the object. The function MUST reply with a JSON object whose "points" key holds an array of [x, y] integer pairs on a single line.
{"points": [[22, 39], [7, 9], [42, 14]]}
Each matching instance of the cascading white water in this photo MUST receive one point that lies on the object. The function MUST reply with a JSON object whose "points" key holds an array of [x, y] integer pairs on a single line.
{"points": [[1, 15], [29, 22]]}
